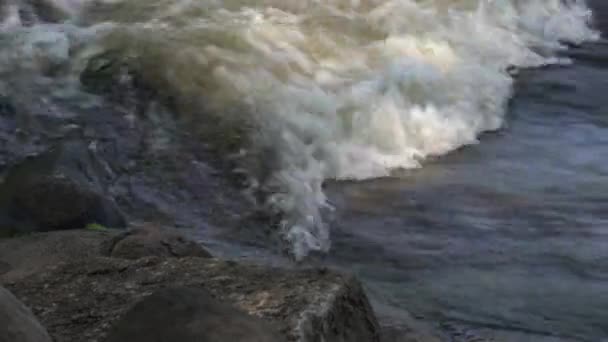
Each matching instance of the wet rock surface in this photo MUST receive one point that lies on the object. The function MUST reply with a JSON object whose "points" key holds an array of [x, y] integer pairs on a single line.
{"points": [[18, 324], [137, 158]]}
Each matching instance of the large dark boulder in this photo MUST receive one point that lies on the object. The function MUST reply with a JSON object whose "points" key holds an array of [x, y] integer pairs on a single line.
{"points": [[189, 315], [17, 323]]}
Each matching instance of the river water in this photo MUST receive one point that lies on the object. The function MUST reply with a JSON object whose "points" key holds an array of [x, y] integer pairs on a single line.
{"points": [[511, 233], [393, 137]]}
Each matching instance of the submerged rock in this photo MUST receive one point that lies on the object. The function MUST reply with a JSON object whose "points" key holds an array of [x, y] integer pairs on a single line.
{"points": [[18, 324], [81, 296], [189, 315]]}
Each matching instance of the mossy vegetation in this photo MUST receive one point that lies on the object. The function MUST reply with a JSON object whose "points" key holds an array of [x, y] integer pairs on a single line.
{"points": [[96, 227]]}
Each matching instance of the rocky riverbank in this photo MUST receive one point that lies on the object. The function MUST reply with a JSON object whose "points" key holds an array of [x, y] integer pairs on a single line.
{"points": [[82, 288]]}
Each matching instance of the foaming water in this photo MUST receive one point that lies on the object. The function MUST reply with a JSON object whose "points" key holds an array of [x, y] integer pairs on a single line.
{"points": [[324, 89]]}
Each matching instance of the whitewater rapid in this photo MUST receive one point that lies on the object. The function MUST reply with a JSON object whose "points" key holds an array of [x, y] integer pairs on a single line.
{"points": [[342, 89]]}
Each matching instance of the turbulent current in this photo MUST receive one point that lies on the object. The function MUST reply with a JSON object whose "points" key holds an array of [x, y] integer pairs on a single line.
{"points": [[311, 90]]}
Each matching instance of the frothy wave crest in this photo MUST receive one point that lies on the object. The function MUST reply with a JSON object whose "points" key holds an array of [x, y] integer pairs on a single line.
{"points": [[336, 89]]}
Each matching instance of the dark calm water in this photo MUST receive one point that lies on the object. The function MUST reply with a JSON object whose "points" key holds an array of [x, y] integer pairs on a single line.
{"points": [[509, 234]]}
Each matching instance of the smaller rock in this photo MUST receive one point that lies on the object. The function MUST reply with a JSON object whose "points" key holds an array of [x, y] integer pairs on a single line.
{"points": [[18, 322], [149, 240], [56, 202], [189, 315]]}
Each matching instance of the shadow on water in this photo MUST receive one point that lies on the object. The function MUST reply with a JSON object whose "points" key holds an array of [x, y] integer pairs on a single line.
{"points": [[510, 234]]}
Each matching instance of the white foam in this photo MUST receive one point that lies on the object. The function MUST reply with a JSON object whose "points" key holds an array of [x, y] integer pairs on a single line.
{"points": [[353, 91], [345, 89]]}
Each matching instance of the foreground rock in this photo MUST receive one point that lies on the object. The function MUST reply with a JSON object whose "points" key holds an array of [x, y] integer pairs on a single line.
{"points": [[81, 296], [82, 300], [189, 315], [18, 324]]}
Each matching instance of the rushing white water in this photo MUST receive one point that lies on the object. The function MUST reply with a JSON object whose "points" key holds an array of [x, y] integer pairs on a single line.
{"points": [[336, 89]]}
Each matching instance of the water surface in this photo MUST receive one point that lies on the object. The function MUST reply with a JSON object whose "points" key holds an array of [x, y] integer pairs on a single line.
{"points": [[511, 233]]}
